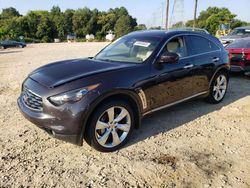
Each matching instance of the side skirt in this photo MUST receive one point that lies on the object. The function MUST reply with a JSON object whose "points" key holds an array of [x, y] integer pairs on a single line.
{"points": [[174, 103]]}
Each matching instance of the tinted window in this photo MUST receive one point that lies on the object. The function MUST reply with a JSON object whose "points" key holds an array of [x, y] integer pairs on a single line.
{"points": [[176, 45], [239, 44], [198, 45]]}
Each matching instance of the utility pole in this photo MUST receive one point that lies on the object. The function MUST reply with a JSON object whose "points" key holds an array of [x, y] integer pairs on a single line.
{"points": [[162, 15], [195, 12], [167, 10]]}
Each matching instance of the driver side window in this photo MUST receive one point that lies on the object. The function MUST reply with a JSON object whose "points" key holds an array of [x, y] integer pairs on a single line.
{"points": [[176, 45]]}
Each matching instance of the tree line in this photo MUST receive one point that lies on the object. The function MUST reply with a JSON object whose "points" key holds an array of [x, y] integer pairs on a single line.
{"points": [[211, 19], [45, 26]]}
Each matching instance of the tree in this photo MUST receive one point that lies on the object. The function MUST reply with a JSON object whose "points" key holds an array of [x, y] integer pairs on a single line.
{"points": [[9, 13], [156, 28], [45, 28], [140, 27], [178, 25], [33, 19], [47, 25], [211, 18], [59, 23], [237, 23], [81, 18], [123, 26], [68, 17]]}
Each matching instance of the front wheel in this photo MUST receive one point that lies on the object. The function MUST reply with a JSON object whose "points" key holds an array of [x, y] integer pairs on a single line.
{"points": [[110, 126], [218, 88]]}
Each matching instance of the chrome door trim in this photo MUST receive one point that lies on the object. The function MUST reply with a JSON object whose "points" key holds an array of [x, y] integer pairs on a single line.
{"points": [[174, 103]]}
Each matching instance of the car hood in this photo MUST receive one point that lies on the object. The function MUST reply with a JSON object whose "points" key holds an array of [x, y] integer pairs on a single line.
{"points": [[58, 73]]}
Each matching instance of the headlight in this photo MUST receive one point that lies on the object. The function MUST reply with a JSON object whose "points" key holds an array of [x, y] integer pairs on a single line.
{"points": [[71, 96]]}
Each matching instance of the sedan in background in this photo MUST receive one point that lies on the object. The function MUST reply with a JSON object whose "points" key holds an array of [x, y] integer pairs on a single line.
{"points": [[11, 44], [237, 33], [239, 53]]}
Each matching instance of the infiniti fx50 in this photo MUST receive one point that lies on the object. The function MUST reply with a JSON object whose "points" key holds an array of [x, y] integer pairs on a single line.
{"points": [[103, 98]]}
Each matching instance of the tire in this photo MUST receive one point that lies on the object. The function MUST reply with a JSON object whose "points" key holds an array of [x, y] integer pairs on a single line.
{"points": [[218, 88], [107, 132]]}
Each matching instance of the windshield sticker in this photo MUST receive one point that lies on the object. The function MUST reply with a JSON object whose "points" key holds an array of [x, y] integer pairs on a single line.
{"points": [[142, 44]]}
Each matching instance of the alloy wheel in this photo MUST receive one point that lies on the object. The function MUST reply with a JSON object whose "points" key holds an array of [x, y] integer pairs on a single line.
{"points": [[220, 87], [113, 126]]}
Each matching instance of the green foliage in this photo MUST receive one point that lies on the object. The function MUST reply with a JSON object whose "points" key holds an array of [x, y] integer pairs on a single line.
{"points": [[140, 27], [45, 26], [9, 13], [123, 25], [178, 25], [211, 19], [156, 28]]}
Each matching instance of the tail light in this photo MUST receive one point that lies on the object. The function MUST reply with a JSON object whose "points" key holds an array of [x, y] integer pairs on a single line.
{"points": [[248, 57]]}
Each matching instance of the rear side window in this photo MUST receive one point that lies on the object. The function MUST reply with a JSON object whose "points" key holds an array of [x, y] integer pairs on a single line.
{"points": [[198, 45]]}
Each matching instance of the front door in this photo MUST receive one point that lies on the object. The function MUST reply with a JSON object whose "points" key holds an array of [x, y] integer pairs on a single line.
{"points": [[173, 82]]}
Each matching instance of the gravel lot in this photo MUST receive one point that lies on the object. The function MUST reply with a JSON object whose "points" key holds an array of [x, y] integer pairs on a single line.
{"points": [[194, 144]]}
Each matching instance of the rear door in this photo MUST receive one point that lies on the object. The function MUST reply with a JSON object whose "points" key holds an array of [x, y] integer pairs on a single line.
{"points": [[205, 55]]}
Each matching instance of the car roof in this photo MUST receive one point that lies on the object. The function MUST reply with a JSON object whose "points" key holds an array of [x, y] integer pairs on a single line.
{"points": [[164, 33], [244, 27]]}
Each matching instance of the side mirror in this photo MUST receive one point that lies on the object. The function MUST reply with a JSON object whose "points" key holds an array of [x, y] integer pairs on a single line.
{"points": [[168, 57]]}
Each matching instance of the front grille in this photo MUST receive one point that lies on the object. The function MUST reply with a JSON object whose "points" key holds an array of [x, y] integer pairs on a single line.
{"points": [[32, 100]]}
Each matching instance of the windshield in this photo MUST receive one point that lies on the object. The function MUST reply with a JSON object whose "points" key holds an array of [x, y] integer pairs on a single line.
{"points": [[240, 32], [129, 49], [239, 44]]}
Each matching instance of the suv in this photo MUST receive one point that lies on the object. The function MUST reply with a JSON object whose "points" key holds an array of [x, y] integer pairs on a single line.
{"points": [[103, 98]]}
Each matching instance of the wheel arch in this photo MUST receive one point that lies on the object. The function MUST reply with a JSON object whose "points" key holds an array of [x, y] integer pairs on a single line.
{"points": [[224, 68], [129, 96]]}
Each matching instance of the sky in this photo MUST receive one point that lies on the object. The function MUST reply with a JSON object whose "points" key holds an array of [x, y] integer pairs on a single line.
{"points": [[148, 12]]}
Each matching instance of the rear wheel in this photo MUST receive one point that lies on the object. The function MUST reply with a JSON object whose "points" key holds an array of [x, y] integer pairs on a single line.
{"points": [[110, 126], [218, 88]]}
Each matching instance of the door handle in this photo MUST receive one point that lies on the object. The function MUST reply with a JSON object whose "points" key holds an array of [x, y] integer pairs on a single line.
{"points": [[188, 66], [216, 59]]}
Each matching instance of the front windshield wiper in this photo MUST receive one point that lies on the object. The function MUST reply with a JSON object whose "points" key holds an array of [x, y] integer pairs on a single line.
{"points": [[108, 60]]}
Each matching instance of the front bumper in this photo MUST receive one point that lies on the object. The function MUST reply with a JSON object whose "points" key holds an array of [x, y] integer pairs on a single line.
{"points": [[48, 123], [64, 122]]}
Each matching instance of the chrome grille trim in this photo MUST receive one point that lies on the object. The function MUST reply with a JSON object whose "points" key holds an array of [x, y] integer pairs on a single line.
{"points": [[32, 100]]}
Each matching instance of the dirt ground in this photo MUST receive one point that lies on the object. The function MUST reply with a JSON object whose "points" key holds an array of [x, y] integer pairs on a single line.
{"points": [[194, 144]]}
